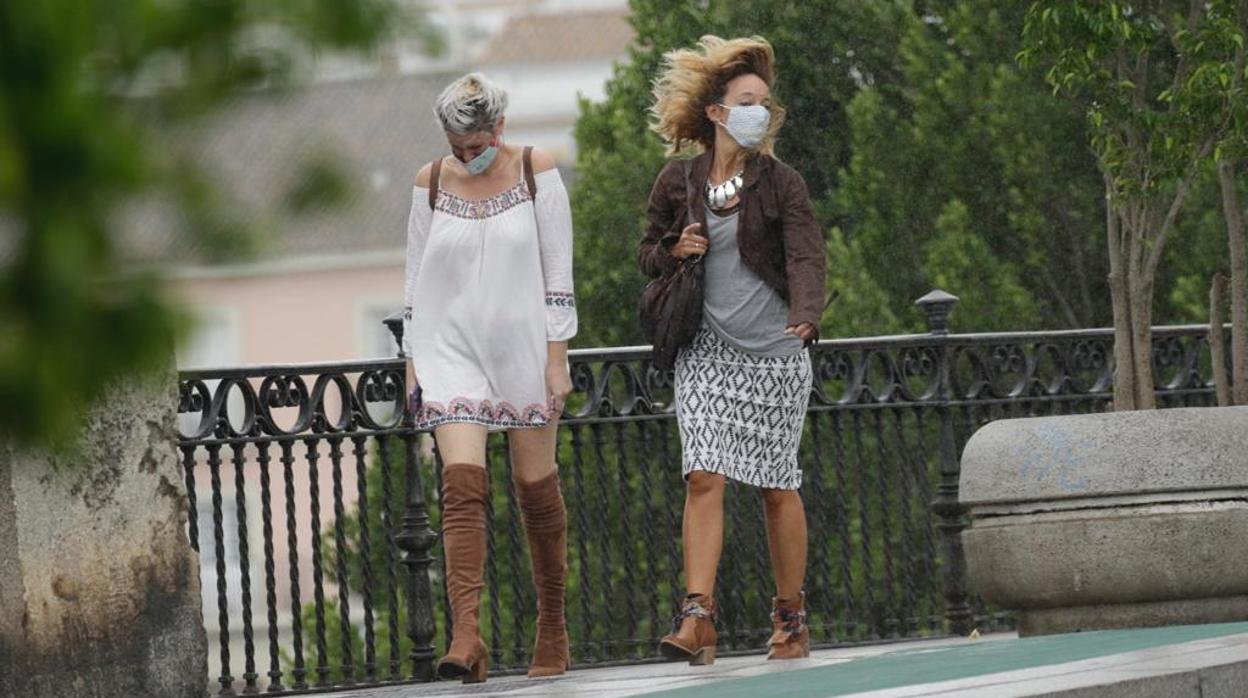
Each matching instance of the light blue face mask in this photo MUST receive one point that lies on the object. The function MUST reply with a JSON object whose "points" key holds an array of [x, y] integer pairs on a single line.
{"points": [[482, 161], [747, 124]]}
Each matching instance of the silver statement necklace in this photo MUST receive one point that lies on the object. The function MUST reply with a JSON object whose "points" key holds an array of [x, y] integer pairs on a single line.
{"points": [[718, 195]]}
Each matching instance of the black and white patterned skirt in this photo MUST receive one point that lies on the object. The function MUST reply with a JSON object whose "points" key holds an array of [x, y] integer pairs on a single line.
{"points": [[741, 414]]}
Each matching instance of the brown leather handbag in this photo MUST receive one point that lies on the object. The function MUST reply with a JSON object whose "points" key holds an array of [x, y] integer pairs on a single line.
{"points": [[671, 305]]}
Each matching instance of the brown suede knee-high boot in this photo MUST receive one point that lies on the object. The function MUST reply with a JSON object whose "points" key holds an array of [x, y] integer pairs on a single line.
{"points": [[546, 525], [465, 488]]}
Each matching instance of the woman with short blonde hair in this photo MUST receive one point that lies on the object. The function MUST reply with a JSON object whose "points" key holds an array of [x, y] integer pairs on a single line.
{"points": [[489, 312], [743, 384]]}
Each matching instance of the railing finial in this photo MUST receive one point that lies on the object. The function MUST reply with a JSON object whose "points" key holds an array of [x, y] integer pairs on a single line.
{"points": [[394, 323], [938, 305]]}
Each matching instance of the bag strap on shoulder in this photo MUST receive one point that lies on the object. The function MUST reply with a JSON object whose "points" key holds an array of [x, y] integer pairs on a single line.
{"points": [[526, 163], [434, 172]]}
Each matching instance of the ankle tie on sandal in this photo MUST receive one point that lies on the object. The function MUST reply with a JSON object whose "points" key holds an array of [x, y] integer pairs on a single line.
{"points": [[792, 622], [691, 609]]}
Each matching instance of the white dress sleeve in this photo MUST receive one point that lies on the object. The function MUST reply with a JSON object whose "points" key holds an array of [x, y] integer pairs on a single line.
{"points": [[554, 234], [418, 221]]}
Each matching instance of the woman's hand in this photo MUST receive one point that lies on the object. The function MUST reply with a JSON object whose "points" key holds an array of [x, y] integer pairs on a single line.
{"points": [[413, 387], [804, 331], [690, 243], [558, 385]]}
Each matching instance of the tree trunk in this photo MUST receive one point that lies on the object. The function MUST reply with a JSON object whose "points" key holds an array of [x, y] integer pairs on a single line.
{"points": [[1124, 364], [1217, 340], [1234, 216], [1141, 308], [99, 586]]}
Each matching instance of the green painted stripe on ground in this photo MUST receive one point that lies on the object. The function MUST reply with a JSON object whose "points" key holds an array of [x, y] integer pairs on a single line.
{"points": [[910, 667]]}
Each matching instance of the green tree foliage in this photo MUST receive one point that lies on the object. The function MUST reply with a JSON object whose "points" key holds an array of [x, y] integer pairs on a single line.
{"points": [[862, 306], [89, 93], [957, 257], [1159, 83], [966, 169]]}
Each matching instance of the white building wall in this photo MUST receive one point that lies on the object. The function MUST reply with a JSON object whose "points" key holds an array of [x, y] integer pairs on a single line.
{"points": [[544, 101]]}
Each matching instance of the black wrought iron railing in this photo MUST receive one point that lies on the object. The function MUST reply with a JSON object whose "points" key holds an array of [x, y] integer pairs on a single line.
{"points": [[316, 506]]}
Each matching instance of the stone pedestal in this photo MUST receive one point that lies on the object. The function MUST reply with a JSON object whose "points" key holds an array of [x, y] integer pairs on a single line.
{"points": [[99, 588], [1114, 520]]}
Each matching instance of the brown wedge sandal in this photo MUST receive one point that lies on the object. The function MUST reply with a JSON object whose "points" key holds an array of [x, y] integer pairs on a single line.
{"points": [[693, 636], [790, 637]]}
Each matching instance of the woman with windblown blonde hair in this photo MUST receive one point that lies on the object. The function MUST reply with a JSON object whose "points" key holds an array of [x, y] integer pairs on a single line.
{"points": [[742, 385]]}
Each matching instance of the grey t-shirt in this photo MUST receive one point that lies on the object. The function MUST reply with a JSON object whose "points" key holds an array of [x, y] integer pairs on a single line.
{"points": [[740, 306]]}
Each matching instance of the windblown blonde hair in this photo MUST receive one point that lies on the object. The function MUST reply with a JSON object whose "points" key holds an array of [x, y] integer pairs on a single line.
{"points": [[695, 78]]}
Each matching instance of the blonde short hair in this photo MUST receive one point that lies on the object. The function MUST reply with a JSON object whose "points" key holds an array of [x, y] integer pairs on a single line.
{"points": [[693, 79], [471, 103]]}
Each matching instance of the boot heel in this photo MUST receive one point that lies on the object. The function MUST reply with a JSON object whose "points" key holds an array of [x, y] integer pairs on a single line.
{"points": [[476, 673], [703, 657]]}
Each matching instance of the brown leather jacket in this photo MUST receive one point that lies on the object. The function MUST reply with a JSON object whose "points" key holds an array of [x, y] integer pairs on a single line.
{"points": [[778, 236]]}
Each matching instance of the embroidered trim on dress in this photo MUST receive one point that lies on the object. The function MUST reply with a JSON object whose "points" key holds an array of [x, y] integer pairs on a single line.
{"points": [[502, 414], [560, 299], [479, 209]]}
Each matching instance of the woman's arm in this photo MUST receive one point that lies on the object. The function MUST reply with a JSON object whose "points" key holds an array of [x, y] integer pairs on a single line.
{"points": [[418, 220], [805, 257], [662, 212], [554, 235]]}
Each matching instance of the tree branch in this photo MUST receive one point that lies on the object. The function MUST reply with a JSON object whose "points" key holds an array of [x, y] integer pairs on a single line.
{"points": [[1237, 78], [1217, 340], [1176, 205], [1140, 79], [1137, 232], [1124, 363], [1085, 310], [1238, 249], [1059, 293], [1195, 12]]}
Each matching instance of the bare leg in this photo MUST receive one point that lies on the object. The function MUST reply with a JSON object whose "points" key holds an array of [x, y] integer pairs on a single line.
{"points": [[786, 539], [703, 531], [694, 637], [461, 443], [533, 452]]}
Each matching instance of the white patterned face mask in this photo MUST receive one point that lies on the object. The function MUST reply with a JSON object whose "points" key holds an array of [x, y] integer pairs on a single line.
{"points": [[748, 124]]}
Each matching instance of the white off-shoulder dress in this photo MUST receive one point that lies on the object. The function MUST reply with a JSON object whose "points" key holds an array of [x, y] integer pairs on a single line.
{"points": [[489, 283]]}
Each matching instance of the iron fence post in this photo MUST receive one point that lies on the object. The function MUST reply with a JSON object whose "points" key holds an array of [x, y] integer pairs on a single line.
{"points": [[951, 522], [416, 539], [394, 323]]}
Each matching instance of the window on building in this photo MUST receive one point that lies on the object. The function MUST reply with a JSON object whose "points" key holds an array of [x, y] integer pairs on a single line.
{"points": [[214, 342], [376, 340]]}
